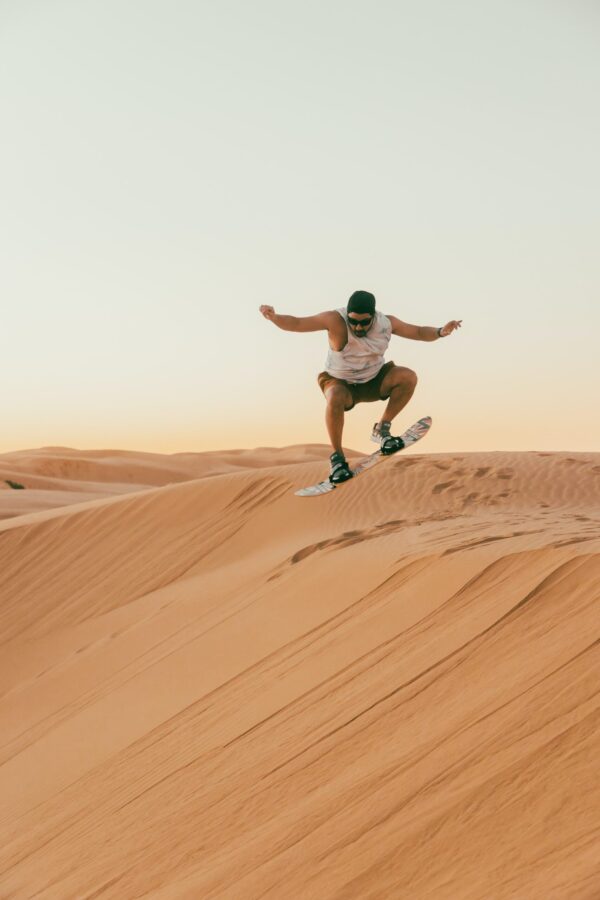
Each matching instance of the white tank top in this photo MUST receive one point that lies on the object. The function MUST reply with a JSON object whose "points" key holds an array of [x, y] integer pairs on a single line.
{"points": [[362, 357]]}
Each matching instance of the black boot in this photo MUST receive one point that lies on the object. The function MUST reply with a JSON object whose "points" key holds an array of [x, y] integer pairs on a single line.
{"points": [[340, 470], [388, 443]]}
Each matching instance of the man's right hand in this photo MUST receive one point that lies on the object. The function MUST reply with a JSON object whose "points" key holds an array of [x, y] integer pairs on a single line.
{"points": [[268, 312]]}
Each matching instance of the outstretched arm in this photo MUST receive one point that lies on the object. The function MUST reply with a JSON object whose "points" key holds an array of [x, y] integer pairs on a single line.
{"points": [[321, 322], [423, 332]]}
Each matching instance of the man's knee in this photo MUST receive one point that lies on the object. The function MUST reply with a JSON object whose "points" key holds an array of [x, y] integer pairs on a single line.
{"points": [[405, 378], [338, 397], [400, 380]]}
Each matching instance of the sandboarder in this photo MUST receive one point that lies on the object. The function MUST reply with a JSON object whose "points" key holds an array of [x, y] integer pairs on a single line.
{"points": [[355, 369]]}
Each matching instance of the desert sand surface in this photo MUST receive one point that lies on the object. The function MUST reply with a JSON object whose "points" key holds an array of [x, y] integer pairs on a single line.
{"points": [[211, 688], [58, 476]]}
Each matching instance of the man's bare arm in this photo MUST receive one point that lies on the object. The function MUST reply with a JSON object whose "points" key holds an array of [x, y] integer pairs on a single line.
{"points": [[423, 332], [322, 322]]}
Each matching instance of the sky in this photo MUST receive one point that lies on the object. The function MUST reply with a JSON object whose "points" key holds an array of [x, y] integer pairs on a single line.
{"points": [[167, 167]]}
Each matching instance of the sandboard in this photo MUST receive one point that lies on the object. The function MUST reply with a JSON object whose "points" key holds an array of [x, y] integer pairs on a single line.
{"points": [[410, 437]]}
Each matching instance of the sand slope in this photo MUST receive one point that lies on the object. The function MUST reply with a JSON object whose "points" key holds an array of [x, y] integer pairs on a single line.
{"points": [[217, 689], [59, 476]]}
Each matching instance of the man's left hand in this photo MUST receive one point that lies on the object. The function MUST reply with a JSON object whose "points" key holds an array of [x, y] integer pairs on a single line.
{"points": [[449, 327]]}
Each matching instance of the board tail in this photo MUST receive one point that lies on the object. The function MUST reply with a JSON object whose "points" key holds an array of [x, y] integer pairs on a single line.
{"points": [[416, 431]]}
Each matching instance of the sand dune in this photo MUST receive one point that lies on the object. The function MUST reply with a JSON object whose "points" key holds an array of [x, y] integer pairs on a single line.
{"points": [[57, 476], [215, 689]]}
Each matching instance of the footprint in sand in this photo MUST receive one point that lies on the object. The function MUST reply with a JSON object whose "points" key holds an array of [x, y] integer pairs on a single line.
{"points": [[441, 487], [308, 551]]}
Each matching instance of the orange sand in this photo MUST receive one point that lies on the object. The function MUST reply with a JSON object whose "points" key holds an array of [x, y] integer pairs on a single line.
{"points": [[211, 688]]}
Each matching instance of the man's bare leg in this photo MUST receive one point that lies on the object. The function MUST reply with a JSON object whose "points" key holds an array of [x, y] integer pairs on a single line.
{"points": [[401, 383], [338, 398]]}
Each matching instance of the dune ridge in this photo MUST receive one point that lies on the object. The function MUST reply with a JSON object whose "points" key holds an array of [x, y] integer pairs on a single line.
{"points": [[213, 688], [58, 476]]}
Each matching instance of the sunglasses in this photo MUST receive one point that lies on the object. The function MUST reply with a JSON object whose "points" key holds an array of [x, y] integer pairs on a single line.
{"points": [[364, 322]]}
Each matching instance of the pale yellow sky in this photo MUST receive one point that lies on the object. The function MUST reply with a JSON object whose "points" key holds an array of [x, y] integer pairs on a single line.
{"points": [[169, 170]]}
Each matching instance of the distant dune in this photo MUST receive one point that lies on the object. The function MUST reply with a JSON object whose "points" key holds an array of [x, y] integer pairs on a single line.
{"points": [[58, 476], [211, 688]]}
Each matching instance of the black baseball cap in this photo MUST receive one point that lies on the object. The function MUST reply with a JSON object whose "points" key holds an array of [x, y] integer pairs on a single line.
{"points": [[361, 302]]}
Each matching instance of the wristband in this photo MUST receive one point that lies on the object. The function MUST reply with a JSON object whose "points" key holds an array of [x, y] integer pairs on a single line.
{"points": [[439, 331]]}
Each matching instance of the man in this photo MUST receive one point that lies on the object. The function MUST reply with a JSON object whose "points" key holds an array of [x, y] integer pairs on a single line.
{"points": [[355, 369]]}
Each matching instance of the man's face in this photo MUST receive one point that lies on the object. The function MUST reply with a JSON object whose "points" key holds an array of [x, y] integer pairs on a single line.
{"points": [[360, 323]]}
